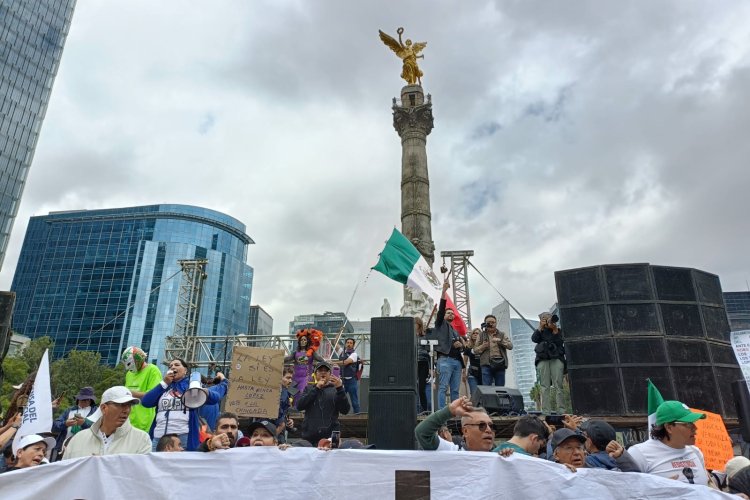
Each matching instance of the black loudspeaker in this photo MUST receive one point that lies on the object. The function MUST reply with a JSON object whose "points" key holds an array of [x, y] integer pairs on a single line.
{"points": [[391, 419], [624, 323], [393, 354], [500, 400], [742, 403]]}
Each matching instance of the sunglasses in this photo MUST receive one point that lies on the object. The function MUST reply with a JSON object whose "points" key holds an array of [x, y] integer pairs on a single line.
{"points": [[484, 425]]}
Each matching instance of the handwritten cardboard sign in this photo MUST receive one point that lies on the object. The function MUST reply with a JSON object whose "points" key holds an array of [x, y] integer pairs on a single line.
{"points": [[255, 382], [741, 347], [712, 439]]}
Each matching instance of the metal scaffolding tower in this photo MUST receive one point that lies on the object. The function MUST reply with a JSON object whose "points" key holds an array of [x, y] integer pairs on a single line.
{"points": [[460, 281], [183, 343]]}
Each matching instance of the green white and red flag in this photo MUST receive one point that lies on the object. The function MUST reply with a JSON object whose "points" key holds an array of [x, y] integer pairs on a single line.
{"points": [[401, 261]]}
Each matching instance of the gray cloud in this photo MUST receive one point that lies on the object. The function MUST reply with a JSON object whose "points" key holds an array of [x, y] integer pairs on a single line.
{"points": [[565, 135]]}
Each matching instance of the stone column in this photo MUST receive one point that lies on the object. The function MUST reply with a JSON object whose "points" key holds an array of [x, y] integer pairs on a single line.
{"points": [[412, 119]]}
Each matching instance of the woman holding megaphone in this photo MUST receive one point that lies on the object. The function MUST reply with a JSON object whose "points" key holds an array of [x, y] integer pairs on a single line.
{"points": [[173, 415]]}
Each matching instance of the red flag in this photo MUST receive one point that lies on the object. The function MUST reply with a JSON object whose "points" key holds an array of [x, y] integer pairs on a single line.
{"points": [[458, 322]]}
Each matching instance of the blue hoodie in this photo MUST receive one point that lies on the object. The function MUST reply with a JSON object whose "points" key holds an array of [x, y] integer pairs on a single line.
{"points": [[215, 394], [601, 460]]}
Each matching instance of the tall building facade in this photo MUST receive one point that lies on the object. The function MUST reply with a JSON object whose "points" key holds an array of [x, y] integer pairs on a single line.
{"points": [[32, 36], [101, 280], [259, 322], [738, 310], [521, 371]]}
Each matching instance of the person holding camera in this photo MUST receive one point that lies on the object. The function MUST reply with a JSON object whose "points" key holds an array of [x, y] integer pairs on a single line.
{"points": [[550, 361], [493, 352]]}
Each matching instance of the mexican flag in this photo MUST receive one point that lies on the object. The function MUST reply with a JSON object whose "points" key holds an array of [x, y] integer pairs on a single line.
{"points": [[654, 400], [402, 262]]}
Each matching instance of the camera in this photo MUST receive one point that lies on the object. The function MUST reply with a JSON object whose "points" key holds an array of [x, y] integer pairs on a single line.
{"points": [[554, 319]]}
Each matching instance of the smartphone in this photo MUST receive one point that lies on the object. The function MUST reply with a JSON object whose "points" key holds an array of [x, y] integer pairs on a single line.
{"points": [[555, 420], [336, 371], [335, 439]]}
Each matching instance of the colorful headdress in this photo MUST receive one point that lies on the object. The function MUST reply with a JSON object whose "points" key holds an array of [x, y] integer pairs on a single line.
{"points": [[313, 339], [133, 358]]}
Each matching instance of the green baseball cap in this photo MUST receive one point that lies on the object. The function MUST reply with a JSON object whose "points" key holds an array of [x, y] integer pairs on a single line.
{"points": [[674, 411]]}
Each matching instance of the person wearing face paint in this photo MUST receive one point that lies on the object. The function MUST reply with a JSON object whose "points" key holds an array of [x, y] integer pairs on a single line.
{"points": [[32, 450], [141, 377], [671, 451], [303, 358], [171, 415]]}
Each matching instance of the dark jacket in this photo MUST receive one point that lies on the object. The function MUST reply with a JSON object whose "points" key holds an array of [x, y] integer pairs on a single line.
{"points": [[59, 424], [443, 331], [602, 460], [549, 345], [215, 394], [322, 408]]}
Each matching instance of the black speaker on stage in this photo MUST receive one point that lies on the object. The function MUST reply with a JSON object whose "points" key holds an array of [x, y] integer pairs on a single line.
{"points": [[392, 401], [393, 354], [624, 323], [391, 419], [500, 400], [742, 403]]}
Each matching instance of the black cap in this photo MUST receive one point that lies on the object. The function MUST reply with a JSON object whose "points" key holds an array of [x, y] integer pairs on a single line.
{"points": [[561, 435], [264, 424], [599, 432], [322, 364]]}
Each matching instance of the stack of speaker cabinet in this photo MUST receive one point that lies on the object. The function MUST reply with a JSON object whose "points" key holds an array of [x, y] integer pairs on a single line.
{"points": [[392, 411], [628, 322]]}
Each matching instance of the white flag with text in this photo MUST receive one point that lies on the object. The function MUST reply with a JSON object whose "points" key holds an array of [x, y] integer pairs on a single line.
{"points": [[37, 415]]}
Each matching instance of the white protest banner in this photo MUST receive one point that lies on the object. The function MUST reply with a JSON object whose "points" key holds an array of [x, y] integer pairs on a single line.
{"points": [[269, 473], [37, 415], [741, 346]]}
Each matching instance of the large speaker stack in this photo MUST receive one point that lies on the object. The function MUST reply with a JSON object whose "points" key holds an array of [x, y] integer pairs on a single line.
{"points": [[392, 411], [625, 323]]}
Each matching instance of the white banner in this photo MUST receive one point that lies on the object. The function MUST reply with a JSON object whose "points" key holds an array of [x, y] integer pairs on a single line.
{"points": [[741, 346], [306, 473], [37, 416]]}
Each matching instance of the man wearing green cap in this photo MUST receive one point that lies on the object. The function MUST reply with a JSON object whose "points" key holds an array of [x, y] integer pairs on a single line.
{"points": [[671, 451]]}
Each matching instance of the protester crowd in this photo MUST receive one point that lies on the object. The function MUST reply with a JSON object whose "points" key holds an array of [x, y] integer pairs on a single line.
{"points": [[149, 415]]}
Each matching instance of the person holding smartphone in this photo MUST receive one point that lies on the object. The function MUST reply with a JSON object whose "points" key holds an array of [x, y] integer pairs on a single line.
{"points": [[73, 420], [322, 404], [550, 361]]}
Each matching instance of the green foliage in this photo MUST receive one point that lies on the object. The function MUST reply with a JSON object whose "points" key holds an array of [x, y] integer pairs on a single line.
{"points": [[16, 370], [34, 350]]}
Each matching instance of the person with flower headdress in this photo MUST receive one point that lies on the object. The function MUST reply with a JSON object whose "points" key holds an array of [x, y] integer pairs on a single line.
{"points": [[140, 378], [305, 356]]}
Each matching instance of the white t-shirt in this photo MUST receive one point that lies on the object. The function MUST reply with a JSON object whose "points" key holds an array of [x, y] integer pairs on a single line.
{"points": [[444, 445], [655, 457], [178, 418]]}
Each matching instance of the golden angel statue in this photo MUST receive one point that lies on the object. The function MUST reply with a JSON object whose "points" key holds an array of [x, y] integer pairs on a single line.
{"points": [[409, 53]]}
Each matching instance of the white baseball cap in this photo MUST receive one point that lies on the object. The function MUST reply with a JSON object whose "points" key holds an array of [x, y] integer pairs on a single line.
{"points": [[119, 394], [30, 439]]}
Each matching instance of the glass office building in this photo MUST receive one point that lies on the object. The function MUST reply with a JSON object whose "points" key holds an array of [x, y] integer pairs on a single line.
{"points": [[738, 310], [32, 36], [101, 280]]}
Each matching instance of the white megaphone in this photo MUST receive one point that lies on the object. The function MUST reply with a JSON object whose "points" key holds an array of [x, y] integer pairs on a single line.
{"points": [[195, 396]]}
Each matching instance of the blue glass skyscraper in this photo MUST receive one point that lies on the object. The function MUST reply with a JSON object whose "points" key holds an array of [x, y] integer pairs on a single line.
{"points": [[104, 279], [32, 36]]}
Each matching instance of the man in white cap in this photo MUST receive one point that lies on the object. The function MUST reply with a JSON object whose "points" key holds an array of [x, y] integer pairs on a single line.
{"points": [[31, 451], [112, 434]]}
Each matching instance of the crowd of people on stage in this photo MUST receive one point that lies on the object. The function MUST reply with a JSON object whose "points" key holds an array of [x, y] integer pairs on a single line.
{"points": [[148, 414]]}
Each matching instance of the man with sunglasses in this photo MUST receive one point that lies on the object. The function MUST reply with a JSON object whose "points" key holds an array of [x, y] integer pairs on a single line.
{"points": [[113, 433], [671, 451], [476, 427]]}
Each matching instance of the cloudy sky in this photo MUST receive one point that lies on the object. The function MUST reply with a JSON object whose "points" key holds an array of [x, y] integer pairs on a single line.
{"points": [[567, 134]]}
